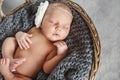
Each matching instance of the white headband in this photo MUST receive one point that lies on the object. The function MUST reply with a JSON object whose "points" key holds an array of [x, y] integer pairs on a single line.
{"points": [[58, 7], [40, 13]]}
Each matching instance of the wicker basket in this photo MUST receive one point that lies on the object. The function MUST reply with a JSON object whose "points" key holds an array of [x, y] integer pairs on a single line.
{"points": [[95, 37]]}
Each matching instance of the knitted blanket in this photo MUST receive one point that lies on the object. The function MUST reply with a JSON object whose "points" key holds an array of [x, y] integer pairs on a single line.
{"points": [[77, 64]]}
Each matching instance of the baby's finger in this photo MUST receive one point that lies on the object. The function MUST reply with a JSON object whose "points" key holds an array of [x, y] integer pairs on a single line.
{"points": [[29, 35], [57, 44], [60, 43], [18, 60], [64, 43], [26, 44], [3, 61], [28, 40], [20, 45]]}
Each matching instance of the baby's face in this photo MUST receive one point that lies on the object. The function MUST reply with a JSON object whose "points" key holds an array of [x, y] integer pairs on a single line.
{"points": [[56, 25]]}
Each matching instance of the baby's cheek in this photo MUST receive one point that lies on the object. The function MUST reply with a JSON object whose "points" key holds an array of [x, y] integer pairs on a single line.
{"points": [[66, 33], [63, 36]]}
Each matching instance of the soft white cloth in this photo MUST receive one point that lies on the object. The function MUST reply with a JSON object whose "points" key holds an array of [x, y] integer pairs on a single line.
{"points": [[40, 13]]}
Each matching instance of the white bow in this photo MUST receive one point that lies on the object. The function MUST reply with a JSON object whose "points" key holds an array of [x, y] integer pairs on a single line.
{"points": [[40, 13]]}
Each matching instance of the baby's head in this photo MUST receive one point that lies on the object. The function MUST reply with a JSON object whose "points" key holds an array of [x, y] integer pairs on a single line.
{"points": [[56, 22]]}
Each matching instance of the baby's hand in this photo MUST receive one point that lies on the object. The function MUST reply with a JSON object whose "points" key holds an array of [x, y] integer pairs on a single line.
{"points": [[23, 39], [14, 63], [61, 47]]}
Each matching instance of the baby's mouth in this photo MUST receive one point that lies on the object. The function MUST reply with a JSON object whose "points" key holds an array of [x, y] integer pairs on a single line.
{"points": [[55, 34]]}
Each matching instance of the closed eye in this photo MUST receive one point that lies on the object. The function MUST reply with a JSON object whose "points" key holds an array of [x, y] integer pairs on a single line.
{"points": [[65, 27], [50, 21], [53, 22]]}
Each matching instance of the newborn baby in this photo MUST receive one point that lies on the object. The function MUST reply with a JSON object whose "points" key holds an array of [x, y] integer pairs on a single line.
{"points": [[39, 48]]}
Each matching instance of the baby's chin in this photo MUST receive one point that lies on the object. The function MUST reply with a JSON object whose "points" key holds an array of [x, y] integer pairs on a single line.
{"points": [[54, 40]]}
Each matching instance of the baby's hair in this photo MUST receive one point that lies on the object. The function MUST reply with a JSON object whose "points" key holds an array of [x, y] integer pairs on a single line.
{"points": [[61, 6]]}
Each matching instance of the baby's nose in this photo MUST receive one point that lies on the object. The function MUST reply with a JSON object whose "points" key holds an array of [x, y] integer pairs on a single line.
{"points": [[58, 28]]}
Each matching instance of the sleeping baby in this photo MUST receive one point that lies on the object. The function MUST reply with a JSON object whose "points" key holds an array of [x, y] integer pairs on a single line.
{"points": [[42, 47]]}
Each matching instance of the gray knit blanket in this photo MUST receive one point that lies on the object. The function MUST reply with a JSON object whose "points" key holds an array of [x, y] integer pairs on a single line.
{"points": [[77, 64]]}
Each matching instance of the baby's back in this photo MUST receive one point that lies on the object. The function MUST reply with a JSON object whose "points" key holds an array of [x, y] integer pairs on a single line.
{"points": [[35, 55]]}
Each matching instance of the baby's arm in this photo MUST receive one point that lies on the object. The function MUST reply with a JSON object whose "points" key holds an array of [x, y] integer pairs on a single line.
{"points": [[4, 69], [53, 59]]}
